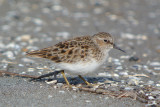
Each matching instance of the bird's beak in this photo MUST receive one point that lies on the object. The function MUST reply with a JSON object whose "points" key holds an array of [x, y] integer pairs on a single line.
{"points": [[115, 47]]}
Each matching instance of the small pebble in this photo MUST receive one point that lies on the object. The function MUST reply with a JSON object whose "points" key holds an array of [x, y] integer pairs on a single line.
{"points": [[30, 69], [145, 55], [155, 63], [38, 21], [102, 74], [113, 17], [109, 75], [150, 82], [74, 88], [106, 98], [65, 35], [23, 73], [40, 73], [150, 97], [10, 55], [116, 60], [117, 63], [119, 68], [98, 10], [132, 36], [55, 87], [59, 84], [51, 82], [124, 57], [10, 45], [6, 27], [20, 65], [87, 101], [25, 37], [50, 96], [27, 60], [62, 92], [115, 75], [2, 45], [129, 88], [158, 85], [40, 68], [156, 92], [133, 82], [123, 73], [57, 8], [157, 68]]}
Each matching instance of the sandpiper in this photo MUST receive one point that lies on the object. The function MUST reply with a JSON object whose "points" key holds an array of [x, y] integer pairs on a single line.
{"points": [[80, 55]]}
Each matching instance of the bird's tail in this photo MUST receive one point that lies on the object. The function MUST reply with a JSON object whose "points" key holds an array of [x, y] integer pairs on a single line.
{"points": [[36, 53]]}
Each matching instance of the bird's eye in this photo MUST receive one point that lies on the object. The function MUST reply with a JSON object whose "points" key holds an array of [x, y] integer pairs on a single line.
{"points": [[105, 40]]}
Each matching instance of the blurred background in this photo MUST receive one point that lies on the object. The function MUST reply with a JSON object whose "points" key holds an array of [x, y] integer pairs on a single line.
{"points": [[35, 24]]}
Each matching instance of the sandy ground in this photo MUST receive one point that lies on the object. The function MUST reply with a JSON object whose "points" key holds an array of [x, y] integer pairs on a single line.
{"points": [[35, 24], [20, 93]]}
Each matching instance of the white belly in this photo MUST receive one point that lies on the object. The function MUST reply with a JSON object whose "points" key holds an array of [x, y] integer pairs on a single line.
{"points": [[80, 68], [83, 68]]}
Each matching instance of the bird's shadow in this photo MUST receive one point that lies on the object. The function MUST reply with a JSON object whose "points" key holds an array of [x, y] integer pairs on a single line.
{"points": [[73, 80]]}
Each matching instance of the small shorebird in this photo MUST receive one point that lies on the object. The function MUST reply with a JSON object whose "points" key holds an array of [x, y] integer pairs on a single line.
{"points": [[80, 55]]}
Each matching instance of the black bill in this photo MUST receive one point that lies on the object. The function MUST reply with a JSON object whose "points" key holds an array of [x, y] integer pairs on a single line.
{"points": [[115, 47]]}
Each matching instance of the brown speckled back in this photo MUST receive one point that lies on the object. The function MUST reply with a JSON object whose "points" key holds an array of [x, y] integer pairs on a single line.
{"points": [[77, 49]]}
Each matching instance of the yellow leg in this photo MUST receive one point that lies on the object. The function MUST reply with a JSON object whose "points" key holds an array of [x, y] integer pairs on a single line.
{"points": [[65, 78], [84, 80]]}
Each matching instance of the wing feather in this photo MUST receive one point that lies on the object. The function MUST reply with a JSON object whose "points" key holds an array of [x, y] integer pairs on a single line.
{"points": [[63, 51]]}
